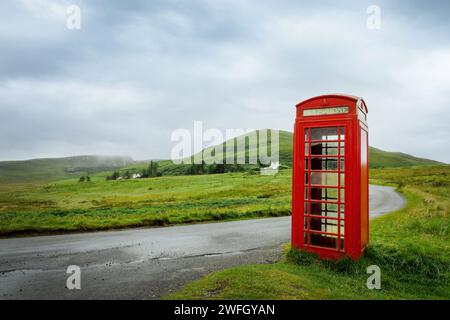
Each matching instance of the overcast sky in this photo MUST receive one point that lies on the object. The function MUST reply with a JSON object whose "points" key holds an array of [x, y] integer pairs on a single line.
{"points": [[137, 70]]}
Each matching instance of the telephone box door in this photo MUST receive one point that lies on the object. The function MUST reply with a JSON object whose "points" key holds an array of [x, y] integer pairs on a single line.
{"points": [[324, 186]]}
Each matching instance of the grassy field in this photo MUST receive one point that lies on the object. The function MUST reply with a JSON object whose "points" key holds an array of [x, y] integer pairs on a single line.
{"points": [[411, 246], [97, 205]]}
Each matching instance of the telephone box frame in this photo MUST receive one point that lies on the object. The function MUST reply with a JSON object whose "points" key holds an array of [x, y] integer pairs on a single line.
{"points": [[329, 114]]}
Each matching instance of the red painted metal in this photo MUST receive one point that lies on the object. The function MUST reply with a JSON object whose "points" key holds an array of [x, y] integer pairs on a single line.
{"points": [[338, 225]]}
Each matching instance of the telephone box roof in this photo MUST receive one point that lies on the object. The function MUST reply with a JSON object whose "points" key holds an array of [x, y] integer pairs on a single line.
{"points": [[336, 96]]}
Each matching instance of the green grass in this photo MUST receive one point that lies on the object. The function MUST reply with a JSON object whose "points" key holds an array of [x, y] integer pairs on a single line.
{"points": [[98, 205], [411, 246]]}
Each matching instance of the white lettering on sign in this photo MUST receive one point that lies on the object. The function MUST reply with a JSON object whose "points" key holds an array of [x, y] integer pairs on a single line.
{"points": [[324, 111]]}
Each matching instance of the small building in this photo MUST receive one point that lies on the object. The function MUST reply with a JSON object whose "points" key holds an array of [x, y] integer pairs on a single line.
{"points": [[271, 170]]}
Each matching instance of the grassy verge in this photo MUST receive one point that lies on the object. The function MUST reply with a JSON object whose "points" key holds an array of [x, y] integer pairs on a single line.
{"points": [[411, 246], [100, 205]]}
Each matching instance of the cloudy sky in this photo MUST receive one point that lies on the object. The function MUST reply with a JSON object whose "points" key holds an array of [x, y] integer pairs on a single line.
{"points": [[138, 70]]}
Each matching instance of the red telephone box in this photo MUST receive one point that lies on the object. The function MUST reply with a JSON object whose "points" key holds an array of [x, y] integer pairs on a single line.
{"points": [[330, 192]]}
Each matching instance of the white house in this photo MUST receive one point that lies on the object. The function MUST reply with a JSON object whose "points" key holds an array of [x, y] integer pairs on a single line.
{"points": [[272, 170]]}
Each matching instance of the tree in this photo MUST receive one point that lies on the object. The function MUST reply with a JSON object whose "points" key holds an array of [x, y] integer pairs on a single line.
{"points": [[127, 175], [114, 176], [203, 167], [82, 179], [220, 168], [212, 168], [153, 169], [88, 179], [197, 168]]}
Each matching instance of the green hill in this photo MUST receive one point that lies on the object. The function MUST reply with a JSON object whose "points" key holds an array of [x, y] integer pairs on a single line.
{"points": [[285, 145], [167, 167], [384, 159], [63, 168], [378, 158], [41, 170]]}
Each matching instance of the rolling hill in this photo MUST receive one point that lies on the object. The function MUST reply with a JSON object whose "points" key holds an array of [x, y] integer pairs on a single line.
{"points": [[385, 159], [378, 158], [42, 170]]}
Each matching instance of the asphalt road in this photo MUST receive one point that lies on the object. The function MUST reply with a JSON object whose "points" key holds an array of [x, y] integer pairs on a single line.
{"points": [[146, 263]]}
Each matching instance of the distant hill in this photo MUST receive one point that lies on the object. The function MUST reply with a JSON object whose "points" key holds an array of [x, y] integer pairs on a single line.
{"points": [[38, 170], [167, 167], [378, 158], [285, 145], [384, 159], [41, 170]]}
